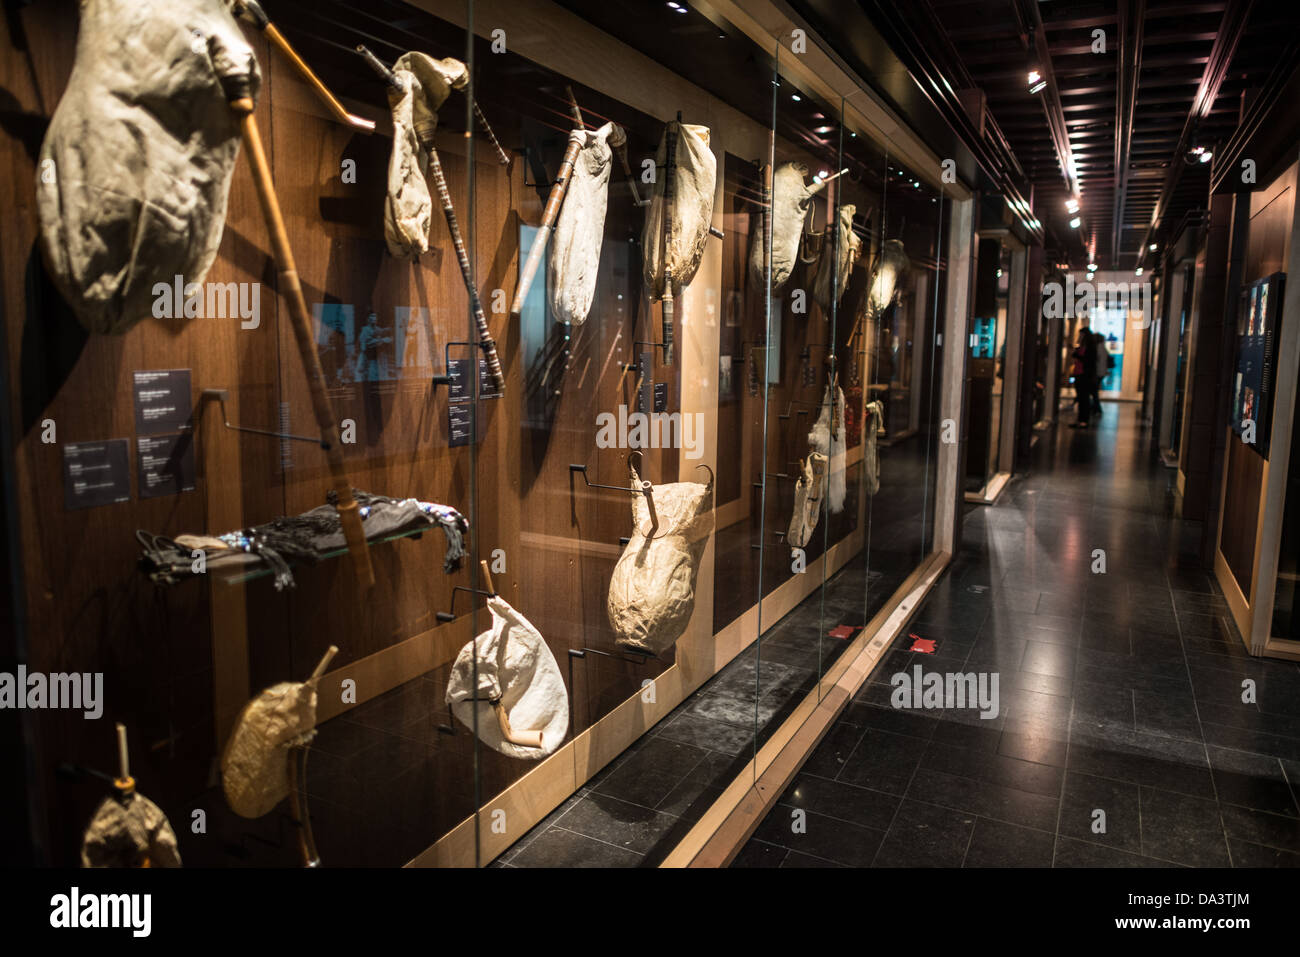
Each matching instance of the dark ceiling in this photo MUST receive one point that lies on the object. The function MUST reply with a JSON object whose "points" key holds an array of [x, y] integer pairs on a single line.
{"points": [[1175, 74]]}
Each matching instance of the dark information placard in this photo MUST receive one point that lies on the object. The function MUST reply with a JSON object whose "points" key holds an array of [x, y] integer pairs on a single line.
{"points": [[661, 396], [162, 401], [165, 464], [96, 473], [645, 373], [486, 387], [460, 417], [458, 389]]}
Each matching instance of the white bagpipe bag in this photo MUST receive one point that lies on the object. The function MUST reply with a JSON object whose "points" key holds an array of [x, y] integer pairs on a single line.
{"points": [[696, 178], [791, 202], [516, 668], [652, 590], [809, 490], [847, 249], [408, 207], [580, 228], [827, 438], [135, 168]]}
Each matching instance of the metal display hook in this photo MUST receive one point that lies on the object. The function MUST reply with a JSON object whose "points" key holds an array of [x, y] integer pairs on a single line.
{"points": [[645, 487], [220, 396]]}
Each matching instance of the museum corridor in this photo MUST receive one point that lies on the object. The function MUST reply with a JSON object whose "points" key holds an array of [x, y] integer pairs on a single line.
{"points": [[1120, 693]]}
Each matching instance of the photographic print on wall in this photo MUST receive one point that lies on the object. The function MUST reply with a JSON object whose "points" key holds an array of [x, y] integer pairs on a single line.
{"points": [[1258, 321]]}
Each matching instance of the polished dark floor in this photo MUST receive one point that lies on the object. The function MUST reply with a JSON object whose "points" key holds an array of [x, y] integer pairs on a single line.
{"points": [[1122, 739]]}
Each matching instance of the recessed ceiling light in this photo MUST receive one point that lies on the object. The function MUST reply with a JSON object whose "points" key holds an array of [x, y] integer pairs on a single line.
{"points": [[1074, 223], [796, 97], [1152, 247], [1138, 271], [1072, 205]]}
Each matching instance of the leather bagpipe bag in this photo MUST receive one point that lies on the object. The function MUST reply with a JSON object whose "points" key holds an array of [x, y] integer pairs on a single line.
{"points": [[696, 178], [515, 666], [580, 228], [652, 590], [840, 265], [791, 202], [408, 207], [129, 831], [135, 167], [255, 763], [827, 437]]}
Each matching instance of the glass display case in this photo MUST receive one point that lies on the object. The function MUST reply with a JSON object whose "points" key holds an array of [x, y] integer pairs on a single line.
{"points": [[620, 327]]}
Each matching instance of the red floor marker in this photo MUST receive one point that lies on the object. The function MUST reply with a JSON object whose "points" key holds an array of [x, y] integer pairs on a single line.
{"points": [[841, 631], [924, 645]]}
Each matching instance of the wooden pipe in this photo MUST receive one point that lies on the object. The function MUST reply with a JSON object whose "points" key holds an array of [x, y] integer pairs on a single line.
{"points": [[485, 341], [324, 663], [670, 290], [487, 578], [492, 137], [820, 185], [124, 783], [549, 216], [349, 514], [253, 12], [574, 110], [525, 739]]}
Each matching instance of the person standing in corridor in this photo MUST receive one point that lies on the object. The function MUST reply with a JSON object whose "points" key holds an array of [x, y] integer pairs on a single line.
{"points": [[1085, 378]]}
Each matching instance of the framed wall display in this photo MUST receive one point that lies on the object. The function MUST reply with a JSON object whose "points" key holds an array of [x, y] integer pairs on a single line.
{"points": [[1259, 316]]}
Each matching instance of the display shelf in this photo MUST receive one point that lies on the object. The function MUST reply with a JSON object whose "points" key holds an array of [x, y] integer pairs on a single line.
{"points": [[265, 571]]}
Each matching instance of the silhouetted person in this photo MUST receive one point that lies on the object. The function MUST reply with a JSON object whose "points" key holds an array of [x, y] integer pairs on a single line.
{"points": [[1084, 369]]}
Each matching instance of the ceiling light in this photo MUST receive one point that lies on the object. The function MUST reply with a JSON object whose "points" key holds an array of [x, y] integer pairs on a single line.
{"points": [[1092, 267], [796, 97], [822, 174], [1152, 247], [1074, 223], [1206, 156], [1138, 271], [823, 129], [1036, 82], [1072, 205]]}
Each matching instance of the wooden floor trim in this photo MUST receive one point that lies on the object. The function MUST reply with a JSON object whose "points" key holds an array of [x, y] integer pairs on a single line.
{"points": [[719, 835]]}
